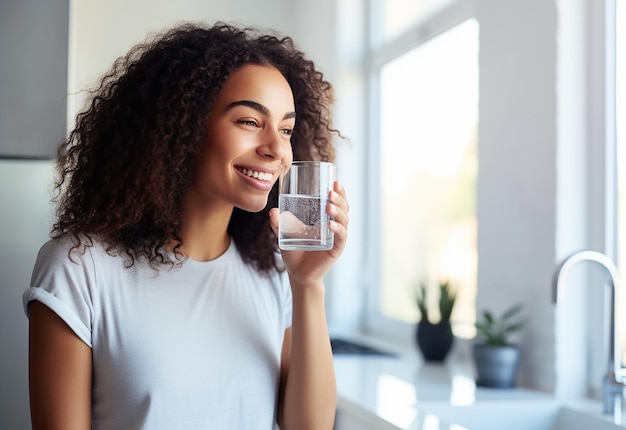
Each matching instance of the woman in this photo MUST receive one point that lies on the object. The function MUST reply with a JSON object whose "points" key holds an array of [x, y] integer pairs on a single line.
{"points": [[161, 301]]}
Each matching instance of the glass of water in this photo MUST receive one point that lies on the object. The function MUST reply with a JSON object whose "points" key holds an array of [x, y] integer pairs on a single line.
{"points": [[302, 201]]}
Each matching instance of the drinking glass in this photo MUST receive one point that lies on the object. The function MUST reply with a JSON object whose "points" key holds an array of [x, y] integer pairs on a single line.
{"points": [[303, 196]]}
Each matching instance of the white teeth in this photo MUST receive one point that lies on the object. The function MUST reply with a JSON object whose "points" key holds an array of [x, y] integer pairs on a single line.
{"points": [[263, 176]]}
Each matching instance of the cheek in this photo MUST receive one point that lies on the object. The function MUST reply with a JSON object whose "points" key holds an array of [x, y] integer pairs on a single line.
{"points": [[210, 165], [289, 154]]}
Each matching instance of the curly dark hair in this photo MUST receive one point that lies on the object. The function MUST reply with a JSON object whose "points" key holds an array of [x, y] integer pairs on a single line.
{"points": [[123, 170]]}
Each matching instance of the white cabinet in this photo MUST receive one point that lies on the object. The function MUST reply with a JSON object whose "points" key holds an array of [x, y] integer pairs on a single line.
{"points": [[33, 77]]}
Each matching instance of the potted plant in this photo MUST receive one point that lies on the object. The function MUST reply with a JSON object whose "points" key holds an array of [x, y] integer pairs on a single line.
{"points": [[435, 338], [495, 356]]}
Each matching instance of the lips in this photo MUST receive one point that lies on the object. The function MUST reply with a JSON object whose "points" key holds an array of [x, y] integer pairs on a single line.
{"points": [[261, 176]]}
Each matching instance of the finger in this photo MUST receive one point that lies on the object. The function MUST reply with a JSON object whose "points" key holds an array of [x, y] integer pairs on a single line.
{"points": [[339, 201], [339, 224], [338, 214], [338, 206], [338, 196], [274, 219], [340, 233], [338, 187]]}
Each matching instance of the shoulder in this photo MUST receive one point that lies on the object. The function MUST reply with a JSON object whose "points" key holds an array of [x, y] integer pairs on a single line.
{"points": [[67, 257], [64, 279], [59, 252], [66, 250]]}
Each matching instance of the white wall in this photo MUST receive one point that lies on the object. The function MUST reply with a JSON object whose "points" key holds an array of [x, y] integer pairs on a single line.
{"points": [[541, 186], [516, 198], [100, 32], [345, 293]]}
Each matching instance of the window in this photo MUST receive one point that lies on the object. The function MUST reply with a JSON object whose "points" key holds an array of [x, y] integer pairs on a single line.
{"points": [[425, 164]]}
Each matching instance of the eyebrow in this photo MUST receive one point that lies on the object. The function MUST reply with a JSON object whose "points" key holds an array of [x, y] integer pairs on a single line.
{"points": [[258, 107]]}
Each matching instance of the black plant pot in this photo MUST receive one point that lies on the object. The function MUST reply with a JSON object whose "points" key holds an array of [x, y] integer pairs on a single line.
{"points": [[434, 340], [496, 366]]}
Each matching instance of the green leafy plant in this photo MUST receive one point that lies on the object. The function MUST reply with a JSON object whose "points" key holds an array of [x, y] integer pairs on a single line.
{"points": [[447, 298], [496, 331]]}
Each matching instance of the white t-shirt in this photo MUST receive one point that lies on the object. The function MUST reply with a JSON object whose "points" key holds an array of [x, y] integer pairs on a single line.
{"points": [[191, 348]]}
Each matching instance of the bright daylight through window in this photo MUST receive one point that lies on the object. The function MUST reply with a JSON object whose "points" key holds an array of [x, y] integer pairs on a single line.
{"points": [[428, 168]]}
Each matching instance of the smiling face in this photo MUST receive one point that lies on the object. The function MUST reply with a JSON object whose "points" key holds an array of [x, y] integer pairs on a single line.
{"points": [[248, 139]]}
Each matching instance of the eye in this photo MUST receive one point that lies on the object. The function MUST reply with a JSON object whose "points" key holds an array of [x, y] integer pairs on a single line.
{"points": [[287, 131], [248, 122]]}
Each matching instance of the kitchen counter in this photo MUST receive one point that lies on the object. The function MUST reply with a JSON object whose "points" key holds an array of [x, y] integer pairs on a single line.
{"points": [[402, 392]]}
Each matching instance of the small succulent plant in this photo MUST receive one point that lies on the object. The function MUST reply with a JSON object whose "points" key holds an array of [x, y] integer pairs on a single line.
{"points": [[495, 331], [447, 298]]}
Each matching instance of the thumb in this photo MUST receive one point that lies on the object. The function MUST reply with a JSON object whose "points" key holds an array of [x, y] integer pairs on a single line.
{"points": [[274, 219]]}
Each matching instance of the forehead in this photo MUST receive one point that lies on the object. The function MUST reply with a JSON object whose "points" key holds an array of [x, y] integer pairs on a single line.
{"points": [[261, 84]]}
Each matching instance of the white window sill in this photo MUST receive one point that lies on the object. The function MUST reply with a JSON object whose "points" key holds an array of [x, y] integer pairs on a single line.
{"points": [[404, 392]]}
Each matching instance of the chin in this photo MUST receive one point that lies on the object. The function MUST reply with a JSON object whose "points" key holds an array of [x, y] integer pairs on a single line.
{"points": [[253, 207]]}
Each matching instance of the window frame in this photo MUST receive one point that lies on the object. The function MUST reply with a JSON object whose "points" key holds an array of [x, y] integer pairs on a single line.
{"points": [[379, 54], [596, 224]]}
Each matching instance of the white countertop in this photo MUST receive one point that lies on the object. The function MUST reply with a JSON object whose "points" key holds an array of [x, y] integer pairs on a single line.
{"points": [[391, 393]]}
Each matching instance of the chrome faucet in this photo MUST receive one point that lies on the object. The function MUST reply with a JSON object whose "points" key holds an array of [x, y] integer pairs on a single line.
{"points": [[614, 382]]}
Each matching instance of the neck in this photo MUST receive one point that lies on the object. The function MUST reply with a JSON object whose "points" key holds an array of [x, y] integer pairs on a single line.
{"points": [[204, 247], [204, 230]]}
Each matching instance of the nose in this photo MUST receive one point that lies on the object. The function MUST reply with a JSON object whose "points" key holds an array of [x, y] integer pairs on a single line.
{"points": [[275, 145]]}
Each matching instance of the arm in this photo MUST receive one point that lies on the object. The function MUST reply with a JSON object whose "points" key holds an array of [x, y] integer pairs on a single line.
{"points": [[308, 393], [60, 367]]}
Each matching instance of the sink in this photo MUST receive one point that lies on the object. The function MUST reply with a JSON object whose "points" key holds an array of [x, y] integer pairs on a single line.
{"points": [[517, 415]]}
